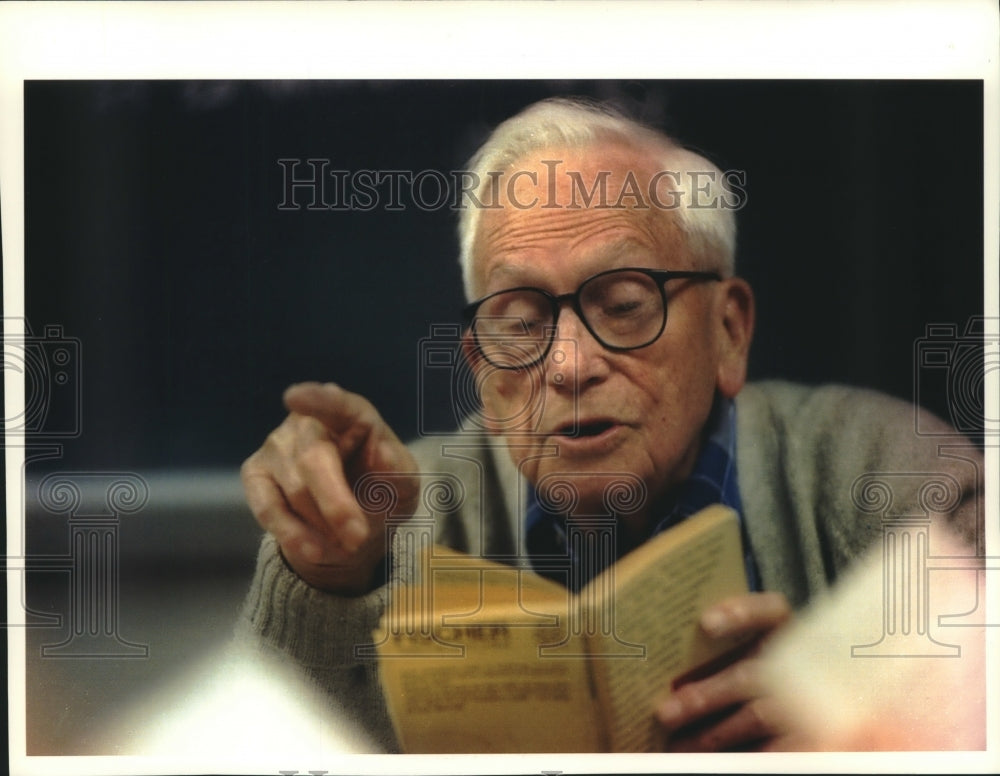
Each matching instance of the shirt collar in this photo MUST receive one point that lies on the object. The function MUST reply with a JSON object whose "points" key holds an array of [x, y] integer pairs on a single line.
{"points": [[712, 481]]}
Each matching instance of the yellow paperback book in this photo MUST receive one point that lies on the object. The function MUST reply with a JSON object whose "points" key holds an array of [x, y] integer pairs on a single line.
{"points": [[481, 657]]}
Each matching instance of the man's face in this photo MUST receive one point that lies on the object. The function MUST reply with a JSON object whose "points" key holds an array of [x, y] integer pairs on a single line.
{"points": [[641, 411]]}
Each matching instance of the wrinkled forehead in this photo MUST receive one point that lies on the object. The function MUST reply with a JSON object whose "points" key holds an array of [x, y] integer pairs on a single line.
{"points": [[598, 175], [569, 191]]}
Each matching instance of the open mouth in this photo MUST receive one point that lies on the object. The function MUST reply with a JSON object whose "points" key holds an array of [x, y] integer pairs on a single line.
{"points": [[588, 429]]}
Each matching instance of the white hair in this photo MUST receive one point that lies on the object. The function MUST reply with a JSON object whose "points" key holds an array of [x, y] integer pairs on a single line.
{"points": [[575, 123]]}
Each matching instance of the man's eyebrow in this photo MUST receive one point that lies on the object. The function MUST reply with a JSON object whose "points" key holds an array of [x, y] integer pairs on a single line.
{"points": [[510, 270], [614, 249], [627, 251], [504, 276]]}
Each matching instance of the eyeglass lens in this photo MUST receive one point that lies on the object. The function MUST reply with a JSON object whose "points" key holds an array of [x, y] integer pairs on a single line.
{"points": [[621, 309]]}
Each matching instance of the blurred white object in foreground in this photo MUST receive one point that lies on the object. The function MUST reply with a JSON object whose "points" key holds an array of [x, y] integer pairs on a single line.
{"points": [[867, 668], [240, 703]]}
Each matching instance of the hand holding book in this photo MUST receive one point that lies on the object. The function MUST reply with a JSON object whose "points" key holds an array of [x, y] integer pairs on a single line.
{"points": [[729, 708]]}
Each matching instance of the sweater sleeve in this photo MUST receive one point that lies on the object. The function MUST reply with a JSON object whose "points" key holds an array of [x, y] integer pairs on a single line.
{"points": [[823, 469], [319, 632]]}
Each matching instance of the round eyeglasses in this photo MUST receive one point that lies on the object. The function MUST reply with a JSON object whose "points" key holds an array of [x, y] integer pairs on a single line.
{"points": [[623, 309]]}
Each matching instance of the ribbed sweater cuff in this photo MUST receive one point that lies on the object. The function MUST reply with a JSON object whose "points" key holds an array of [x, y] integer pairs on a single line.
{"points": [[318, 629]]}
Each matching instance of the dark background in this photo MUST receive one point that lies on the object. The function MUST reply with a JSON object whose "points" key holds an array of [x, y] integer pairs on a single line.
{"points": [[153, 236]]}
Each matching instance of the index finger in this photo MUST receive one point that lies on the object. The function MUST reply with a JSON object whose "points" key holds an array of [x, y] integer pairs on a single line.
{"points": [[350, 417]]}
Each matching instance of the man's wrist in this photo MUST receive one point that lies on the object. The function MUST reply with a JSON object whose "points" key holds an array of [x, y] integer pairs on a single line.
{"points": [[342, 580]]}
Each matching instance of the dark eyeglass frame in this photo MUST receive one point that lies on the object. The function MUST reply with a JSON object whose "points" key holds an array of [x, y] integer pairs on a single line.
{"points": [[660, 276]]}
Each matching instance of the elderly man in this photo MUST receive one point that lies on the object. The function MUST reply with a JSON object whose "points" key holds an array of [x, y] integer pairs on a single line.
{"points": [[598, 256]]}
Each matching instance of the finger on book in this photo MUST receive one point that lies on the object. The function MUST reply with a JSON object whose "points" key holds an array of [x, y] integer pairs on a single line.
{"points": [[745, 614]]}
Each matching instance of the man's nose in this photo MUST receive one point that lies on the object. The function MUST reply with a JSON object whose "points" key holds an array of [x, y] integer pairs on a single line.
{"points": [[575, 358]]}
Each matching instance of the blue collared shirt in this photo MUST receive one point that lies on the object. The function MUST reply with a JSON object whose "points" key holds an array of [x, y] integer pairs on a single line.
{"points": [[712, 481]]}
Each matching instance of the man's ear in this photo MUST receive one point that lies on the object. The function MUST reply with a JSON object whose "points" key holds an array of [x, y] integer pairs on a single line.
{"points": [[735, 333]]}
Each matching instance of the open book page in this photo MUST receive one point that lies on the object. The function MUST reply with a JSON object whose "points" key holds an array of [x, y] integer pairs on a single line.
{"points": [[647, 606], [462, 668]]}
